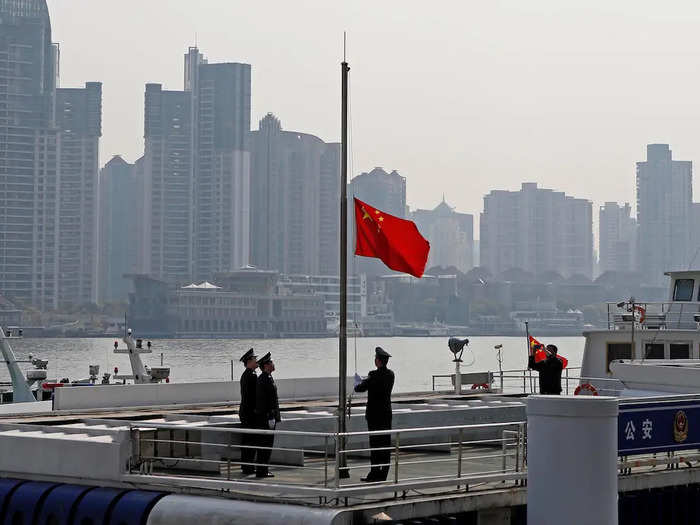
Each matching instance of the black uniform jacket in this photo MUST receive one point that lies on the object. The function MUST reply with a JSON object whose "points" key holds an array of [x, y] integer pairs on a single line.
{"points": [[550, 374], [248, 387], [267, 405], [378, 385]]}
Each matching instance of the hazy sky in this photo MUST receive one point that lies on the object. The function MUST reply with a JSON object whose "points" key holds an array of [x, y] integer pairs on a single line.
{"points": [[459, 97]]}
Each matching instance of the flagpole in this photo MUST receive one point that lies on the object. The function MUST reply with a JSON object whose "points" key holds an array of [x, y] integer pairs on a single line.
{"points": [[342, 333]]}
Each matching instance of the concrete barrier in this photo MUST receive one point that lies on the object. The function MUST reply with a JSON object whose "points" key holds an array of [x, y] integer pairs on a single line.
{"points": [[159, 394]]}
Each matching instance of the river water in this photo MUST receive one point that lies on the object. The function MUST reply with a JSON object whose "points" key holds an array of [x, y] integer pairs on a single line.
{"points": [[414, 361]]}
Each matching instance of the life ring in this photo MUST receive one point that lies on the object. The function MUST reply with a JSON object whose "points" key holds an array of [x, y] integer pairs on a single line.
{"points": [[480, 385], [586, 386], [642, 313]]}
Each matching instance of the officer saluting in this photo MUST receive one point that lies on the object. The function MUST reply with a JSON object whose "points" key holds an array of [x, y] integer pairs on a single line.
{"points": [[267, 414], [246, 412], [378, 385]]}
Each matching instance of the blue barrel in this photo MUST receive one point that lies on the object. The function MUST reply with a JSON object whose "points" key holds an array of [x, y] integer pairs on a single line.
{"points": [[60, 505], [7, 488], [95, 507], [134, 507], [25, 502]]}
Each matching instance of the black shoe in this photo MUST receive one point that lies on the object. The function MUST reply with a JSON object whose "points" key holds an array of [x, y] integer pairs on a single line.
{"points": [[264, 475]]}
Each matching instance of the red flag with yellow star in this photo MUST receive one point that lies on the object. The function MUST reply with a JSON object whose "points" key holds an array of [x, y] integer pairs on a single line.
{"points": [[397, 242]]}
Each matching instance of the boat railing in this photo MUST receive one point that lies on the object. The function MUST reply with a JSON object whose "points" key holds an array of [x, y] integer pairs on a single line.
{"points": [[326, 466], [524, 382], [668, 315]]}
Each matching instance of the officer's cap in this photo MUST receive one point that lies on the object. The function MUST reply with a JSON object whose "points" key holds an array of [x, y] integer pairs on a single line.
{"points": [[381, 353], [250, 354], [264, 359]]}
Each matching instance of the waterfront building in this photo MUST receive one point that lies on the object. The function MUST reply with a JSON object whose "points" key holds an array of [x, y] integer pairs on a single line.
{"points": [[664, 201], [537, 230], [243, 303], [451, 236], [48, 167], [197, 172], [617, 238], [294, 189], [79, 122], [329, 288], [120, 207]]}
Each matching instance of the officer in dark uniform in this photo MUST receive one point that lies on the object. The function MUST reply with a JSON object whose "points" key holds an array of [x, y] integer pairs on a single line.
{"points": [[550, 371], [246, 411], [378, 385], [267, 414]]}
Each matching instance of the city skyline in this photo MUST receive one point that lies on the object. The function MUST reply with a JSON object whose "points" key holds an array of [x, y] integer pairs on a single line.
{"points": [[580, 116]]}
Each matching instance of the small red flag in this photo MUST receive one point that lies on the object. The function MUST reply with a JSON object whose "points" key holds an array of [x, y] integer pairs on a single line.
{"points": [[397, 242], [541, 355]]}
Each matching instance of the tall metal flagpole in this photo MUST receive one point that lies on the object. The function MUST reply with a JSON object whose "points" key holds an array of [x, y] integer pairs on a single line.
{"points": [[342, 334]]}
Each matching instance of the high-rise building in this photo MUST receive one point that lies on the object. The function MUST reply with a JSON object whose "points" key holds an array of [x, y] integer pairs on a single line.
{"points": [[537, 230], [120, 228], [197, 172], [617, 238], [79, 122], [294, 201], [168, 185], [48, 167], [664, 198], [451, 236], [28, 167], [385, 191]]}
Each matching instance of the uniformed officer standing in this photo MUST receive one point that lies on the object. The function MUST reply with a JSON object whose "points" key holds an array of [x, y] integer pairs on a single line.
{"points": [[267, 414], [378, 385], [246, 411], [550, 371]]}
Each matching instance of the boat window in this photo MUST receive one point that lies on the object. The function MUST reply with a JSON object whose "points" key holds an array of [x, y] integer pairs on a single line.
{"points": [[679, 351], [654, 351], [618, 351], [683, 290]]}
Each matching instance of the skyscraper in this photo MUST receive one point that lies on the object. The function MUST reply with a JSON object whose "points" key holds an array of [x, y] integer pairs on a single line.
{"points": [[197, 171], [28, 167], [617, 238], [294, 201], [451, 236], [386, 191], [120, 204], [79, 122], [537, 230], [664, 199], [48, 166]]}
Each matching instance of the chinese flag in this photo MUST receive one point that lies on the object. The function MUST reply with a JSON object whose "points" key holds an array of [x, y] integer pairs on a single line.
{"points": [[541, 355], [397, 242]]}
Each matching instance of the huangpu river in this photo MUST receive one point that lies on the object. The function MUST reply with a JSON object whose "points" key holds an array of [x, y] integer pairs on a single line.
{"points": [[415, 359]]}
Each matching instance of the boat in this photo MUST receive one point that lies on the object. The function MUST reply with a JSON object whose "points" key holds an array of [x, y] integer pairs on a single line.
{"points": [[648, 347], [33, 385]]}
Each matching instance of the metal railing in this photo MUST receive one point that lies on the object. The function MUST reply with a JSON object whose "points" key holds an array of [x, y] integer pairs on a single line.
{"points": [[679, 315], [526, 381], [306, 464]]}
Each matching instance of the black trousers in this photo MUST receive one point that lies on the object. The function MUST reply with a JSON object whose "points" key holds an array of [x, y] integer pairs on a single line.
{"points": [[379, 459], [248, 442], [263, 454]]}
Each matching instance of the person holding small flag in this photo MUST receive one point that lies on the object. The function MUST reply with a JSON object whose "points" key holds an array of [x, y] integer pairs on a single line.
{"points": [[544, 359]]}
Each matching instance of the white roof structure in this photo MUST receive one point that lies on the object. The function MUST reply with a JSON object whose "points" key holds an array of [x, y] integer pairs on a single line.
{"points": [[206, 285]]}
